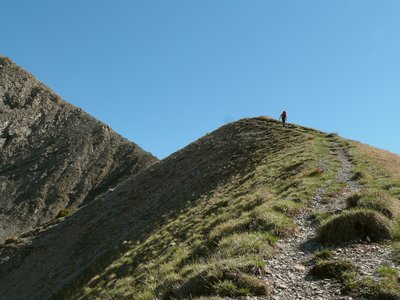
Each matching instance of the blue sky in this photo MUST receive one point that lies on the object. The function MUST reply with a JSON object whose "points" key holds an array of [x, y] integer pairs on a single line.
{"points": [[164, 73]]}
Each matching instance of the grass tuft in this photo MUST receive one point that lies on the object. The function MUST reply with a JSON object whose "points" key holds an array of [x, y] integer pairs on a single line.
{"points": [[265, 219], [387, 271], [356, 224], [242, 244], [221, 282], [375, 200], [318, 217], [287, 207], [332, 269], [386, 288], [323, 254]]}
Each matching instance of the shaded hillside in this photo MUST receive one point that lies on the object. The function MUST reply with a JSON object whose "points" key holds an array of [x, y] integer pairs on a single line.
{"points": [[225, 164], [53, 156]]}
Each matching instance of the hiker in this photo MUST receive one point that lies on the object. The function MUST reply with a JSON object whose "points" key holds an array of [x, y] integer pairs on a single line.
{"points": [[284, 118]]}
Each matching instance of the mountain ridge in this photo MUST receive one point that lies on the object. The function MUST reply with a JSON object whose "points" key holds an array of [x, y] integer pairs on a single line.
{"points": [[53, 155], [214, 219]]}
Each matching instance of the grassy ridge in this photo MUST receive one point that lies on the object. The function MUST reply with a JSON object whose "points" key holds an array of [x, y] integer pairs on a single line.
{"points": [[371, 214], [218, 245], [379, 172]]}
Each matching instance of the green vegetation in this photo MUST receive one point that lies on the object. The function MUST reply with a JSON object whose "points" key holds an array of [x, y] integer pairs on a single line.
{"points": [[318, 217], [375, 200], [323, 254], [374, 213], [386, 271], [385, 287], [355, 224], [216, 278], [218, 245], [379, 173], [333, 269]]}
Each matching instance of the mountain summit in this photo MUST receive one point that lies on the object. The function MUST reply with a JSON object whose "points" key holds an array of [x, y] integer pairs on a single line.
{"points": [[53, 156]]}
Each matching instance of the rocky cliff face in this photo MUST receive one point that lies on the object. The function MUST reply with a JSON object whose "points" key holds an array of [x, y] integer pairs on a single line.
{"points": [[53, 156]]}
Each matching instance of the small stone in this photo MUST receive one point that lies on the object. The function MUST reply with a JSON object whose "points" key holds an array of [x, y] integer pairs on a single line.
{"points": [[281, 286], [299, 267]]}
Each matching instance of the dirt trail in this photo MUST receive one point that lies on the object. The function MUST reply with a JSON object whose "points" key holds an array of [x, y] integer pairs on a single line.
{"points": [[289, 270]]}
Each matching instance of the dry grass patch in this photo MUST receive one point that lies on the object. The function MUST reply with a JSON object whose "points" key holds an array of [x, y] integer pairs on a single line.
{"points": [[385, 159]]}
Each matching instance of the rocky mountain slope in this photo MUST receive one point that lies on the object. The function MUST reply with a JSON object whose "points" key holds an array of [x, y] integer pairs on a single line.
{"points": [[253, 210], [53, 156]]}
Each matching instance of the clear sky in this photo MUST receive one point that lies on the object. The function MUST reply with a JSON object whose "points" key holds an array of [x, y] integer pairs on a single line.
{"points": [[165, 72]]}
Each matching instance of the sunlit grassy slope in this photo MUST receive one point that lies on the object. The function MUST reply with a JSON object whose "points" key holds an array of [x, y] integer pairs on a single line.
{"points": [[221, 239]]}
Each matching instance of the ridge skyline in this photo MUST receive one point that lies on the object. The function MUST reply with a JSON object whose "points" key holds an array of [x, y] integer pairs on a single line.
{"points": [[227, 119]]}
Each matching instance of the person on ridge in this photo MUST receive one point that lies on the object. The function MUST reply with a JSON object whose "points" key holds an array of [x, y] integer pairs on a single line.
{"points": [[284, 118]]}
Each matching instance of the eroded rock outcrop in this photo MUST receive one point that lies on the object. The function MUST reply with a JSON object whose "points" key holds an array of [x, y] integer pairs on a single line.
{"points": [[53, 156]]}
